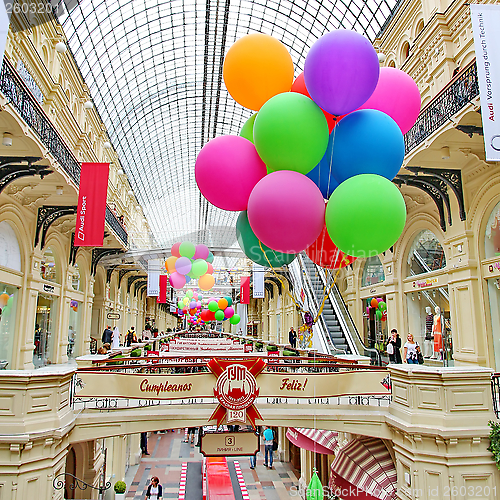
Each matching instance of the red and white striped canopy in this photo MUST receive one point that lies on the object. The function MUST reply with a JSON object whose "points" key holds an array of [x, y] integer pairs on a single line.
{"points": [[315, 440], [363, 469]]}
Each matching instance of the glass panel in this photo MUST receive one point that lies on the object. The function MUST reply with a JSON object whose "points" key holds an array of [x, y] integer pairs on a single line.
{"points": [[10, 255], [373, 272], [75, 280], [48, 266], [426, 254], [45, 328], [494, 295], [492, 237], [8, 302], [430, 323], [75, 322], [374, 326]]}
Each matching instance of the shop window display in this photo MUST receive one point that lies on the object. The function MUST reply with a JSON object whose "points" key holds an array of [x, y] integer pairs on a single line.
{"points": [[492, 237], [373, 272], [10, 255], [494, 296], [45, 329], [429, 322], [76, 281], [8, 302], [48, 266], [426, 254], [375, 324]]}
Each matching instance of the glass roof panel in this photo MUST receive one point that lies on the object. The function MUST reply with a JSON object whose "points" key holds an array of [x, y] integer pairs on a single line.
{"points": [[154, 70]]}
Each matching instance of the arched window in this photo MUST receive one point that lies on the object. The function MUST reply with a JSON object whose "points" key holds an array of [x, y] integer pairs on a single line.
{"points": [[492, 236], [426, 254], [392, 64], [373, 272], [10, 255], [48, 267], [405, 51], [420, 27]]}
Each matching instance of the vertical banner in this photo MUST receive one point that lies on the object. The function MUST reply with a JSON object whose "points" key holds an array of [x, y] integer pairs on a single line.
{"points": [[485, 24], [241, 327], [162, 296], [245, 290], [91, 210], [154, 277], [4, 26], [258, 272]]}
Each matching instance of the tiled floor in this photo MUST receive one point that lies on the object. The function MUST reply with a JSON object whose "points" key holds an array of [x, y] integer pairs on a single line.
{"points": [[168, 452]]}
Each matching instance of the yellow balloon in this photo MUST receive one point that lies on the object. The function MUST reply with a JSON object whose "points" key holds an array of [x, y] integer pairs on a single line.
{"points": [[206, 282], [185, 300], [256, 68], [170, 264]]}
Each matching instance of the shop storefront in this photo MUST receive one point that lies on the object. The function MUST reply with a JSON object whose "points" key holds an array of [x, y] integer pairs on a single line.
{"points": [[8, 308], [427, 298]]}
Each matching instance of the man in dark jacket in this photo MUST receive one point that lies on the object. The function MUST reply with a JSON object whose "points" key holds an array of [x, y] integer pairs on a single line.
{"points": [[107, 335], [292, 338]]}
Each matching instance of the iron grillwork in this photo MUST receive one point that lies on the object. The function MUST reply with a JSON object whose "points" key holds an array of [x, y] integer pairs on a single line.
{"points": [[116, 226], [59, 483], [495, 393], [459, 92]]}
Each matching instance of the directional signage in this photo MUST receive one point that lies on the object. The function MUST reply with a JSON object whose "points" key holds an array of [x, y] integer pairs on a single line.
{"points": [[229, 444]]}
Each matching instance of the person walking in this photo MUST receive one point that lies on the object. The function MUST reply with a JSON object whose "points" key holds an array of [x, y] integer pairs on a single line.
{"points": [[253, 458], [154, 491], [144, 443], [107, 335], [292, 338], [268, 447], [394, 347], [411, 350], [131, 337]]}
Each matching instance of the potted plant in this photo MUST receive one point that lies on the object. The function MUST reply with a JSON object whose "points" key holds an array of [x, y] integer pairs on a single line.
{"points": [[272, 348], [120, 489], [135, 353], [259, 346]]}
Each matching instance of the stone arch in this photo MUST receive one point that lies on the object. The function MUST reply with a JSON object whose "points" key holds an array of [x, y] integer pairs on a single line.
{"points": [[12, 215], [404, 52], [419, 26], [58, 245]]}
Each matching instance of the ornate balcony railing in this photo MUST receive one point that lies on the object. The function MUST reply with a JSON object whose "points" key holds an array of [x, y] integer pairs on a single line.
{"points": [[15, 90], [495, 393], [456, 95]]}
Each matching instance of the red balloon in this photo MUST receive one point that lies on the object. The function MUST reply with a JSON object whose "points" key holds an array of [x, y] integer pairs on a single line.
{"points": [[299, 86], [185, 310], [325, 253], [210, 316], [210, 269]]}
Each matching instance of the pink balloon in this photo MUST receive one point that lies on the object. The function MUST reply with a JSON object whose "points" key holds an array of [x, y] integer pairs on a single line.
{"points": [[201, 252], [398, 96], [177, 280], [380, 299], [227, 169], [175, 249], [210, 268], [228, 312], [286, 211]]}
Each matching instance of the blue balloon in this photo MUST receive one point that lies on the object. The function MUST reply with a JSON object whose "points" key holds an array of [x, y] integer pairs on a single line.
{"points": [[322, 177], [366, 141], [188, 279]]}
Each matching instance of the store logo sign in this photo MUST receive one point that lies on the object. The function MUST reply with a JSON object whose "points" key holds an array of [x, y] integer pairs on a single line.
{"points": [[494, 267], [236, 390], [425, 283]]}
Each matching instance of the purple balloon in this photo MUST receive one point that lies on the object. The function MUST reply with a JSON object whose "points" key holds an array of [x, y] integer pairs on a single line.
{"points": [[201, 252], [192, 305], [341, 71], [183, 265]]}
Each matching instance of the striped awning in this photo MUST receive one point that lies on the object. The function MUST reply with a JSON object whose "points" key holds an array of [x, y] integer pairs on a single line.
{"points": [[315, 440], [363, 469]]}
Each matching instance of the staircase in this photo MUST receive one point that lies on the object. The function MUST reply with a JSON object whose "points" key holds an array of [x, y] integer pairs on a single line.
{"points": [[337, 336]]}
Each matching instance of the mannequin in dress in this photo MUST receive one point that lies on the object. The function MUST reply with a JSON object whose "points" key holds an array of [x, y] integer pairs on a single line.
{"points": [[437, 330], [116, 339], [429, 322]]}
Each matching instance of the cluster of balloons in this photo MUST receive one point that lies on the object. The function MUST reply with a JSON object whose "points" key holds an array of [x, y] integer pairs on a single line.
{"points": [[190, 304], [335, 133], [6, 301], [220, 310], [189, 261], [74, 305], [380, 307]]}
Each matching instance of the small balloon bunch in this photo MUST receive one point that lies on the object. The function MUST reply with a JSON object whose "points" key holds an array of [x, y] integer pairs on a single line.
{"points": [[220, 310], [189, 261], [380, 307], [74, 305], [6, 302], [190, 304], [335, 133]]}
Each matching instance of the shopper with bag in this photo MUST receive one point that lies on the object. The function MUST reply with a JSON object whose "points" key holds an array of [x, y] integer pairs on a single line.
{"points": [[412, 351], [393, 347]]}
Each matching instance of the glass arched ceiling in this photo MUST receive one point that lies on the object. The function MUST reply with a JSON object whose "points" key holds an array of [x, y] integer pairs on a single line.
{"points": [[154, 69]]}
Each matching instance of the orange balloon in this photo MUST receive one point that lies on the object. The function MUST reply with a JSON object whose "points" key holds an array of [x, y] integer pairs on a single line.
{"points": [[374, 303], [222, 304], [256, 68], [4, 298], [170, 264], [206, 282]]}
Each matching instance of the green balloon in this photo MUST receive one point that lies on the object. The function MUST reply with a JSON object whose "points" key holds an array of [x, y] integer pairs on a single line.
{"points": [[382, 306], [199, 267], [291, 133], [187, 249], [210, 257], [346, 217], [229, 301], [247, 129], [189, 293], [249, 243], [180, 304], [378, 313], [213, 306], [219, 315], [191, 274], [235, 319]]}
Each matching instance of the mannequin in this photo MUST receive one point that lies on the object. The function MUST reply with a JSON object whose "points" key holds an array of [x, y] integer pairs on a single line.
{"points": [[429, 322], [116, 339], [437, 330]]}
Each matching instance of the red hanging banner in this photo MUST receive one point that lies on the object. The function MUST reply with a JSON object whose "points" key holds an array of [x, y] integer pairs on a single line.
{"points": [[162, 298], [245, 290], [91, 211]]}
